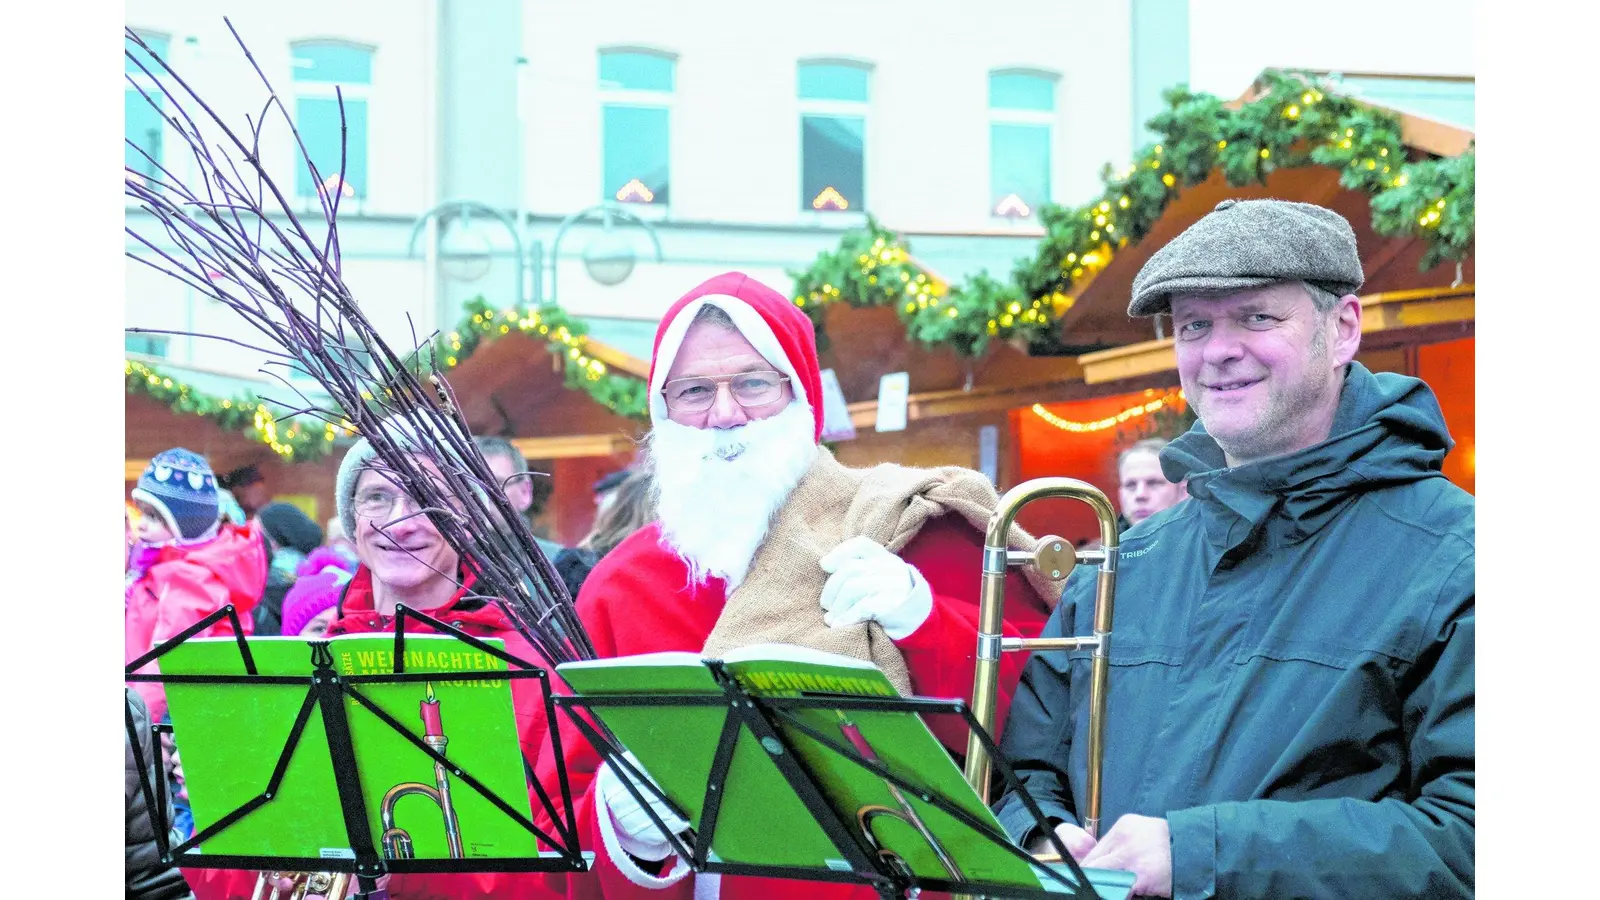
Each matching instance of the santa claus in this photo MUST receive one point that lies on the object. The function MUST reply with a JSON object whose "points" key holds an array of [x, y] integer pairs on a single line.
{"points": [[762, 536]]}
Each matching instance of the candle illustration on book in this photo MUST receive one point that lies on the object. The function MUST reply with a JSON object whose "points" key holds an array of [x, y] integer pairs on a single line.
{"points": [[396, 840]]}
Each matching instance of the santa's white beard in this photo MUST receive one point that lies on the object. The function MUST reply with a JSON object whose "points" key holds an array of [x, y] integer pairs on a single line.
{"points": [[717, 490]]}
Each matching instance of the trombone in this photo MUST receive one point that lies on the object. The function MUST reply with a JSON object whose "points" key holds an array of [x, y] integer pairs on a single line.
{"points": [[1054, 557]]}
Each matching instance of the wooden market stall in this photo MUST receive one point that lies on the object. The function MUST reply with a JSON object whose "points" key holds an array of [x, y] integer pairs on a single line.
{"points": [[151, 426], [512, 386], [1055, 415]]}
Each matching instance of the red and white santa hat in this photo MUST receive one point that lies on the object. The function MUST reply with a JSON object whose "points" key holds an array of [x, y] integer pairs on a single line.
{"points": [[775, 327]]}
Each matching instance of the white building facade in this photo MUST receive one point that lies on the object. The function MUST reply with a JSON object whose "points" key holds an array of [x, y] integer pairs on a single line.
{"points": [[742, 136]]}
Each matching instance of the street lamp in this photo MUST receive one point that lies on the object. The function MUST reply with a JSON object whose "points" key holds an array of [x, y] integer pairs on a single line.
{"points": [[465, 208], [608, 258]]}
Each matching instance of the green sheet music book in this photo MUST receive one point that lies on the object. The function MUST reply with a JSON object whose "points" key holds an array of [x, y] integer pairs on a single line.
{"points": [[231, 736], [762, 821]]}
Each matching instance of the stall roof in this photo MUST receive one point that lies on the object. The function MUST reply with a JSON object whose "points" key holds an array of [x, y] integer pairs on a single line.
{"points": [[1099, 314]]}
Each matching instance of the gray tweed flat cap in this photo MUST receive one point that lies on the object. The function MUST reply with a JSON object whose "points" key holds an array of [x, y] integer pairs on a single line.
{"points": [[1249, 243]]}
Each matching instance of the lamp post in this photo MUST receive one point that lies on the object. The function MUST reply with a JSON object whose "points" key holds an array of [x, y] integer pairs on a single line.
{"points": [[609, 258], [467, 207]]}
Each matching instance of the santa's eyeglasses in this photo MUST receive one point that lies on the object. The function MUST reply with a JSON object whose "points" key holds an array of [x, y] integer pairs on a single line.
{"points": [[747, 388]]}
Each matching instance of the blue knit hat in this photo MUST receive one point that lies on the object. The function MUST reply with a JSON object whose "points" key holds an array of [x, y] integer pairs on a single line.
{"points": [[179, 484]]}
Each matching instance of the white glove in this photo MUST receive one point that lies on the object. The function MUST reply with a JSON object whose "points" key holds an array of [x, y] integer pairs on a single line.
{"points": [[868, 583], [635, 832]]}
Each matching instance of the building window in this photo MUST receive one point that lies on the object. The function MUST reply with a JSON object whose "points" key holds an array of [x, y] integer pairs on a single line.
{"points": [[1021, 120], [635, 107], [321, 68], [146, 344], [142, 123], [833, 135]]}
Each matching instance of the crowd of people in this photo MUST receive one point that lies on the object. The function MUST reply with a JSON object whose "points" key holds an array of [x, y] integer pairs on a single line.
{"points": [[195, 547], [1293, 653]]}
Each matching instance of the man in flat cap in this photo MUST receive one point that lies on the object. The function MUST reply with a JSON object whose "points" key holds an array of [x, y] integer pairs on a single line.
{"points": [[1291, 696]]}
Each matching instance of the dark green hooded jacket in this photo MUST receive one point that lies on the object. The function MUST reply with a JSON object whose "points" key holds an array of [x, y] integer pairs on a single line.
{"points": [[1292, 667]]}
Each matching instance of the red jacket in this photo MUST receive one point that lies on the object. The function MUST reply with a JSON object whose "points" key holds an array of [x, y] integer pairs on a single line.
{"points": [[184, 585], [480, 618], [632, 603]]}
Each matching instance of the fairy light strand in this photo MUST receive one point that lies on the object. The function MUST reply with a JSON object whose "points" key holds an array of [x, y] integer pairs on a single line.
{"points": [[1132, 412]]}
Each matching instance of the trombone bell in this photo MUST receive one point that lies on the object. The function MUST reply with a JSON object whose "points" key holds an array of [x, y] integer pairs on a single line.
{"points": [[1055, 558]]}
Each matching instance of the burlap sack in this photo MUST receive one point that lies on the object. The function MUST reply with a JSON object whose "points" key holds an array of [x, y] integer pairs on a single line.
{"points": [[780, 600]]}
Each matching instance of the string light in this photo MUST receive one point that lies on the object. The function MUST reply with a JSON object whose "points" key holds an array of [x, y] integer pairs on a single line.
{"points": [[246, 414], [1132, 412], [635, 192], [828, 198]]}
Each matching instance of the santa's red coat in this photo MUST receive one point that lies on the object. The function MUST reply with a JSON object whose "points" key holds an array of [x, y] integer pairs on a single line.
{"points": [[639, 600]]}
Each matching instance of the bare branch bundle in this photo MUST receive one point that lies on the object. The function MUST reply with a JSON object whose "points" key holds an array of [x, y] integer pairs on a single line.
{"points": [[230, 233]]}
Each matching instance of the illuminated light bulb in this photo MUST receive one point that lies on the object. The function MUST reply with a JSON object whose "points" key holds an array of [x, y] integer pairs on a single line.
{"points": [[1122, 202], [951, 312], [1099, 220], [799, 301], [1293, 112], [911, 307], [1094, 235], [1168, 180], [1104, 206], [1014, 308], [450, 360], [1158, 149], [1371, 164], [1383, 151], [1222, 145], [1266, 152]]}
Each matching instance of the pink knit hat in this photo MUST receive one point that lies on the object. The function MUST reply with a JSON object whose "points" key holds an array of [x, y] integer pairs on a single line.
{"points": [[310, 596]]}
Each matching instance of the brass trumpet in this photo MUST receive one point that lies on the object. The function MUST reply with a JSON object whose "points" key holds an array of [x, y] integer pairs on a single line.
{"points": [[1055, 557], [396, 840]]}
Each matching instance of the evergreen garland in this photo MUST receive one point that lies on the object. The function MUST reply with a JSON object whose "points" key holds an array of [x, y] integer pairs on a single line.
{"points": [[298, 441], [564, 335], [1294, 123], [304, 440]]}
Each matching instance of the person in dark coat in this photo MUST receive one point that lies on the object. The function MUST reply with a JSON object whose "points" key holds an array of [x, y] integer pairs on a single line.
{"points": [[1292, 680], [147, 877], [291, 536]]}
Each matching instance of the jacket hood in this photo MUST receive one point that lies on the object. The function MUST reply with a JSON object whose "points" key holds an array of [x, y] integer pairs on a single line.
{"points": [[237, 557], [1388, 430]]}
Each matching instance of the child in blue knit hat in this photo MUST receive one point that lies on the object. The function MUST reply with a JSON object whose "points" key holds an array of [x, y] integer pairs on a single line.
{"points": [[185, 563]]}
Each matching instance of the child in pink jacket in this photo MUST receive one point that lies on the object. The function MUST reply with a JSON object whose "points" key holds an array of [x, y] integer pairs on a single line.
{"points": [[185, 564]]}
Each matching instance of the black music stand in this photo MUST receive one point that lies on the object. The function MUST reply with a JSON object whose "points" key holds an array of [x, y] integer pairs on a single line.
{"points": [[326, 691], [774, 723]]}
